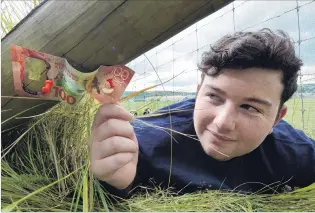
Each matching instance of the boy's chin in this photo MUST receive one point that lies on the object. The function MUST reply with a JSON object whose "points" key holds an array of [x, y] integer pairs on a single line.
{"points": [[216, 154], [219, 157]]}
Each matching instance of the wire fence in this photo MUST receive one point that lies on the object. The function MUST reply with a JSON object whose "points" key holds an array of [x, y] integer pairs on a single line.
{"points": [[178, 56]]}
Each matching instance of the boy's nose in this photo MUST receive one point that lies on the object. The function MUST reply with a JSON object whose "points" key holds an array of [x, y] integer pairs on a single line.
{"points": [[225, 119]]}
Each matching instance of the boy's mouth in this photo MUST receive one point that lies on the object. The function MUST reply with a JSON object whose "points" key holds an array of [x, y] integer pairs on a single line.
{"points": [[220, 136]]}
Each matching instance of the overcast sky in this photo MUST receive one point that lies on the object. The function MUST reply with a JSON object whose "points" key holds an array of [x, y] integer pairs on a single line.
{"points": [[182, 52]]}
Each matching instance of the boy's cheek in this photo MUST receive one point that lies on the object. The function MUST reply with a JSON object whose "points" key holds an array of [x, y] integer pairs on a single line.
{"points": [[201, 120], [250, 141]]}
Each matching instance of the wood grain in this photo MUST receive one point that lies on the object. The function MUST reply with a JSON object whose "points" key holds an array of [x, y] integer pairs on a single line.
{"points": [[93, 33]]}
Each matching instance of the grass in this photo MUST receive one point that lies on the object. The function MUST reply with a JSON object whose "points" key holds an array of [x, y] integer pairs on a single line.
{"points": [[212, 201], [47, 167], [294, 114], [140, 106], [48, 170], [14, 11]]}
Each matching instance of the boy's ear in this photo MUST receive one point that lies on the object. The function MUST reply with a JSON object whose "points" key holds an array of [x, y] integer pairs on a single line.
{"points": [[282, 113]]}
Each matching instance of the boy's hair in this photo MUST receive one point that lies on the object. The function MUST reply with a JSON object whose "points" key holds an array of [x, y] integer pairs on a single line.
{"points": [[261, 49]]}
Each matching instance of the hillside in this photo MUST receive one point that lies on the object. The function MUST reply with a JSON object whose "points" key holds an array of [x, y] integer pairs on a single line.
{"points": [[307, 88], [152, 94]]}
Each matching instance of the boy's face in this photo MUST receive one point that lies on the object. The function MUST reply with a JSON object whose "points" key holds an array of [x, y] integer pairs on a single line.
{"points": [[236, 110]]}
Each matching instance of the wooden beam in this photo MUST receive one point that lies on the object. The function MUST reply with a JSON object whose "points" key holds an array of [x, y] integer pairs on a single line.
{"points": [[93, 33]]}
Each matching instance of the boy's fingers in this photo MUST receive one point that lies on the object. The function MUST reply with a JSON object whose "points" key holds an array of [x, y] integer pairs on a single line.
{"points": [[113, 146], [113, 127], [108, 166], [107, 111]]}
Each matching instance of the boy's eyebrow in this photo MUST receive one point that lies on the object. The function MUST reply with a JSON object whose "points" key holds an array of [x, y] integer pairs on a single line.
{"points": [[252, 99], [216, 89], [260, 101]]}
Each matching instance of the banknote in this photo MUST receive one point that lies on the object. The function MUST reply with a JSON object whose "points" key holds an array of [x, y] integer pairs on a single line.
{"points": [[50, 77], [109, 83]]}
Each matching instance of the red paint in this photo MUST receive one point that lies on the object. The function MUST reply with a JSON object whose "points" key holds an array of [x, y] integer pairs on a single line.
{"points": [[110, 81], [48, 85]]}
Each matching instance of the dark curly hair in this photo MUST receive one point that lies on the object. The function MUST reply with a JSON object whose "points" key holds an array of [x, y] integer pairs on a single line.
{"points": [[261, 49]]}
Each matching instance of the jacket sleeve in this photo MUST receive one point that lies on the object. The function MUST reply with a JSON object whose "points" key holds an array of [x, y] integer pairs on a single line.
{"points": [[114, 192]]}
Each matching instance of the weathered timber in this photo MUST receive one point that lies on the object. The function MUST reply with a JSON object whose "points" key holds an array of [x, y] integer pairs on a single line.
{"points": [[92, 33]]}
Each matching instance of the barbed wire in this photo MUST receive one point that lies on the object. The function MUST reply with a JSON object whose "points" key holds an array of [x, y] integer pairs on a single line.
{"points": [[164, 79], [174, 59], [306, 39], [218, 18], [299, 49], [227, 12], [195, 53], [197, 28], [308, 74], [278, 16], [310, 79], [189, 53]]}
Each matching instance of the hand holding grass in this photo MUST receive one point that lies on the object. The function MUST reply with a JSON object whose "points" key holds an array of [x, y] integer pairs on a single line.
{"points": [[114, 146]]}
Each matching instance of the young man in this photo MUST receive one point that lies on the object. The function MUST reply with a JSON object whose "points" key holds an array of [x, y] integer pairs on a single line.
{"points": [[230, 137]]}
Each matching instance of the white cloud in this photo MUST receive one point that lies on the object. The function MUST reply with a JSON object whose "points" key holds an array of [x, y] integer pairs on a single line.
{"points": [[183, 51]]}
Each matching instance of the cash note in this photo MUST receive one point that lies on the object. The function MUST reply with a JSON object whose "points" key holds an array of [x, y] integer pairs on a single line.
{"points": [[50, 77]]}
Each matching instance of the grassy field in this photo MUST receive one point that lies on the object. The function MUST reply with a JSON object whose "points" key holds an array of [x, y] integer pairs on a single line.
{"points": [[140, 106], [293, 116], [48, 170]]}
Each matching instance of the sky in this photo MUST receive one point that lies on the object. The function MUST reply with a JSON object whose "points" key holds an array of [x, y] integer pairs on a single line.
{"points": [[180, 54]]}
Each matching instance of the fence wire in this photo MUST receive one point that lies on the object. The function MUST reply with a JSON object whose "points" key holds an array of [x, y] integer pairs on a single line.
{"points": [[178, 57], [182, 52]]}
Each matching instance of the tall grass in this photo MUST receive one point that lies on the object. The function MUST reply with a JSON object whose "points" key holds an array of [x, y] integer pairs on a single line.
{"points": [[52, 148], [12, 12], [48, 170], [212, 201]]}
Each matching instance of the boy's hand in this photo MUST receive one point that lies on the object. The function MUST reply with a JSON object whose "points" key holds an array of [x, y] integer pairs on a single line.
{"points": [[114, 146]]}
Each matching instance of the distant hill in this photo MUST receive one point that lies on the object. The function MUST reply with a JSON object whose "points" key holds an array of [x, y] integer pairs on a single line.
{"points": [[152, 94], [306, 89]]}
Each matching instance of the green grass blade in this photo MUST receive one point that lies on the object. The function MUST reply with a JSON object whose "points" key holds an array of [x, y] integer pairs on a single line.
{"points": [[101, 192], [12, 206], [79, 194], [91, 191], [19, 138], [22, 112], [85, 192]]}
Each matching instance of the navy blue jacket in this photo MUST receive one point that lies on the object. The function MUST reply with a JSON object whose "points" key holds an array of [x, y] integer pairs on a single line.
{"points": [[287, 156]]}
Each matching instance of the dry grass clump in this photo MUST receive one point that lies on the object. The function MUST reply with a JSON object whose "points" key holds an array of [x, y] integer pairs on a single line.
{"points": [[48, 170], [215, 200]]}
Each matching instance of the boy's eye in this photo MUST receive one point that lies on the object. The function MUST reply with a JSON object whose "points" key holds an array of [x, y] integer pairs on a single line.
{"points": [[213, 97], [250, 108]]}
